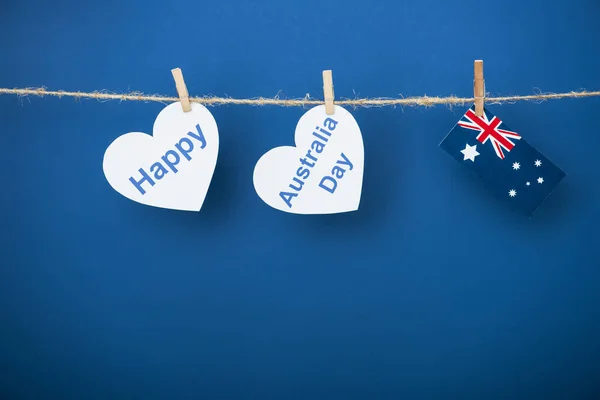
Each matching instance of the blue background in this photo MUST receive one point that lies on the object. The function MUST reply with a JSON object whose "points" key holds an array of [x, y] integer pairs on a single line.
{"points": [[433, 289]]}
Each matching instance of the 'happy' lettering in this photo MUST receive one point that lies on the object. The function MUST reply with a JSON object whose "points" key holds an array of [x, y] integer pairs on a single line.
{"points": [[170, 160]]}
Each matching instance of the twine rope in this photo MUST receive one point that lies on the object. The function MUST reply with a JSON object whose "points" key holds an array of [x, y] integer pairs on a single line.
{"points": [[421, 101]]}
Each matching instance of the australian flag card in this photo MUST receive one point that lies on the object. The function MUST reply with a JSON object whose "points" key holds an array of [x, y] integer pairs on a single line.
{"points": [[508, 166]]}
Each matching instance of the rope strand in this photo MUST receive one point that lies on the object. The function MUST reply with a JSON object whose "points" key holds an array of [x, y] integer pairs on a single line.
{"points": [[423, 101]]}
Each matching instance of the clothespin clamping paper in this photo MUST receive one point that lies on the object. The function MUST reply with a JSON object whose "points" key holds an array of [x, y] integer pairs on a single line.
{"points": [[479, 88], [328, 92], [182, 91]]}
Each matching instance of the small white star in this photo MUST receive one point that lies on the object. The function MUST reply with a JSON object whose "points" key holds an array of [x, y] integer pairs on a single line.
{"points": [[528, 183], [512, 192], [516, 166], [538, 163], [470, 152], [540, 180]]}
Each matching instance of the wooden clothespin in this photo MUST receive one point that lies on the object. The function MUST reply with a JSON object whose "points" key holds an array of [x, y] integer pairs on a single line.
{"points": [[479, 88], [182, 91], [328, 92]]}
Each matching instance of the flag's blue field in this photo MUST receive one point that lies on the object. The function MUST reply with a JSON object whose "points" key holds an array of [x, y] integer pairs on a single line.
{"points": [[435, 288]]}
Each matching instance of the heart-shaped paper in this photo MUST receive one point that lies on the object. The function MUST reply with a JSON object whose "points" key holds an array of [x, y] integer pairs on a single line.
{"points": [[322, 174], [171, 169]]}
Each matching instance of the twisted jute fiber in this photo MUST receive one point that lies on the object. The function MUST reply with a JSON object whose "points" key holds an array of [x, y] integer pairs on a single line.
{"points": [[422, 101]]}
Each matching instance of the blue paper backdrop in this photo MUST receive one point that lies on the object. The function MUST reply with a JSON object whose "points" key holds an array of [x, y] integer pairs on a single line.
{"points": [[433, 289]]}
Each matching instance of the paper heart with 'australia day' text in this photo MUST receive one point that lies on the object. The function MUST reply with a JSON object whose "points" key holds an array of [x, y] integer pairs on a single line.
{"points": [[323, 174], [172, 168]]}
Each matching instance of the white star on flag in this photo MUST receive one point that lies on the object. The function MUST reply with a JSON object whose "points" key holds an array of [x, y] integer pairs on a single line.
{"points": [[512, 192], [528, 183], [516, 166], [538, 163], [540, 180], [470, 152]]}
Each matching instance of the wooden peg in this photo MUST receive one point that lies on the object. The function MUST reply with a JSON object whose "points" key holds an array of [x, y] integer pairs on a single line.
{"points": [[479, 88], [328, 92], [182, 91]]}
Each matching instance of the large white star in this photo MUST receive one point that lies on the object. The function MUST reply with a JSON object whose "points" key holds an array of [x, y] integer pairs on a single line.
{"points": [[512, 192], [540, 180], [538, 163], [470, 152], [516, 166]]}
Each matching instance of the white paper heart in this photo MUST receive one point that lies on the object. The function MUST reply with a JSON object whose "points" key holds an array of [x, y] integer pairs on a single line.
{"points": [[173, 167], [323, 174]]}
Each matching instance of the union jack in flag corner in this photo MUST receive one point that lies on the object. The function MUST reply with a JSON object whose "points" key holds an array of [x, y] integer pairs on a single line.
{"points": [[508, 166]]}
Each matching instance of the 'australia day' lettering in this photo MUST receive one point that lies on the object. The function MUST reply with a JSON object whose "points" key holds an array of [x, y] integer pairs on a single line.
{"points": [[329, 183], [171, 159], [309, 161]]}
